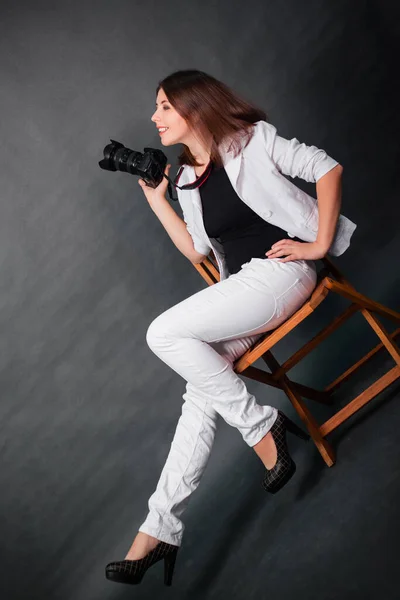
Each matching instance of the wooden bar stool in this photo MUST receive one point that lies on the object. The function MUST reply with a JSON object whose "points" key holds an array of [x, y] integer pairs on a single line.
{"points": [[329, 280]]}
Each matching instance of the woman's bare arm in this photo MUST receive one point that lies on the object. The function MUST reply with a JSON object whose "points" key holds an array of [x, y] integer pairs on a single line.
{"points": [[176, 228]]}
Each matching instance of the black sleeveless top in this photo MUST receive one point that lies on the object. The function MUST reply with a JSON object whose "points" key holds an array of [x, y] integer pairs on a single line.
{"points": [[243, 234]]}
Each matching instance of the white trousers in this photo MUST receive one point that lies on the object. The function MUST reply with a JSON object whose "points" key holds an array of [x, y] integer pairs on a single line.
{"points": [[200, 338]]}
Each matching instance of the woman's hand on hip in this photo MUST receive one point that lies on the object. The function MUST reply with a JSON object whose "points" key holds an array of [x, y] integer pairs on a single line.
{"points": [[296, 250]]}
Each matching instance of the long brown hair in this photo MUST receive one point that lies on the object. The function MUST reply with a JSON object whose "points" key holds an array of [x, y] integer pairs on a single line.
{"points": [[210, 106]]}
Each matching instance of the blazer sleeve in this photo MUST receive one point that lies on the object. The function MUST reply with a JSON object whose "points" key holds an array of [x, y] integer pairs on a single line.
{"points": [[199, 244], [297, 159]]}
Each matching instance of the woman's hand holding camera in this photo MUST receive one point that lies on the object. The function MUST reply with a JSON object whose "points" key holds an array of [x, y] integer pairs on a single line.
{"points": [[153, 194]]}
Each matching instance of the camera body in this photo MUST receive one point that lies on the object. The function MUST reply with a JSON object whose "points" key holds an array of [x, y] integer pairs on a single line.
{"points": [[149, 165]]}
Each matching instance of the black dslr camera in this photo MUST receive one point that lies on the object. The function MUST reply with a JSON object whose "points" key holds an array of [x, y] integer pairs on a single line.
{"points": [[150, 165]]}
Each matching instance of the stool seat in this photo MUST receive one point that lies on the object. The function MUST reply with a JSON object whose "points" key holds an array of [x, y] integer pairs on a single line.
{"points": [[329, 279]]}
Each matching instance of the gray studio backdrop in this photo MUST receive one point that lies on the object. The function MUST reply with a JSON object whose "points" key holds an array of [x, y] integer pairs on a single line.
{"points": [[88, 412]]}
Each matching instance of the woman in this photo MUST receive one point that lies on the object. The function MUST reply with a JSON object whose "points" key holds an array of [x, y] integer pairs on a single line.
{"points": [[265, 278]]}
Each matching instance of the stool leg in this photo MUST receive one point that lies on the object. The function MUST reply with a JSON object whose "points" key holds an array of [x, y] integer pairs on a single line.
{"points": [[324, 447]]}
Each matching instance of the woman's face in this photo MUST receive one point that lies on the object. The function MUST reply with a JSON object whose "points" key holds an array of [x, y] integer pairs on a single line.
{"points": [[166, 116]]}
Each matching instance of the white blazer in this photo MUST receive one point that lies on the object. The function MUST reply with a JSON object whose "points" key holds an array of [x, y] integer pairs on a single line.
{"points": [[257, 176]]}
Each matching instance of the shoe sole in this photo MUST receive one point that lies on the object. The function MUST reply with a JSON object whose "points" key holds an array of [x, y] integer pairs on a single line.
{"points": [[121, 578]]}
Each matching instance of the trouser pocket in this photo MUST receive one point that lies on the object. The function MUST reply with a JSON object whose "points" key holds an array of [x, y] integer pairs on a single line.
{"points": [[294, 297]]}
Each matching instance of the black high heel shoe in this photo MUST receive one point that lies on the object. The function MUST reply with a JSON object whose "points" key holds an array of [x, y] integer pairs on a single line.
{"points": [[132, 571], [285, 466]]}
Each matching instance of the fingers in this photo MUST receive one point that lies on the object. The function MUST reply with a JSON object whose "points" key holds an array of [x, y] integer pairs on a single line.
{"points": [[282, 243], [279, 246], [142, 182], [274, 253], [282, 247], [288, 258]]}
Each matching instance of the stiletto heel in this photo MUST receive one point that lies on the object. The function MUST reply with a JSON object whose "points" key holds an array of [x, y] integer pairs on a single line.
{"points": [[132, 571], [296, 430], [169, 565], [285, 467]]}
